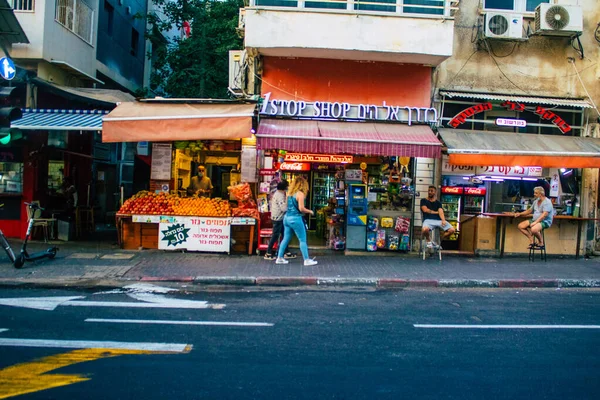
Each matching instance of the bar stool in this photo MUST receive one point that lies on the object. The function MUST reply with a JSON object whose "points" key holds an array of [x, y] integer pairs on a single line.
{"points": [[542, 250], [84, 220]]}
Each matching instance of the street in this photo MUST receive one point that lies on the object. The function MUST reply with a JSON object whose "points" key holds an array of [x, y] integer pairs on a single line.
{"points": [[520, 344]]}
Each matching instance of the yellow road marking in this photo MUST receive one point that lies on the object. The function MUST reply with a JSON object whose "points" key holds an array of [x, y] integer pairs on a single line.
{"points": [[29, 377]]}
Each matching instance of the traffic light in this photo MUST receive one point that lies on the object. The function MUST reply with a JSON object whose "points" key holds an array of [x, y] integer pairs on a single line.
{"points": [[7, 115]]}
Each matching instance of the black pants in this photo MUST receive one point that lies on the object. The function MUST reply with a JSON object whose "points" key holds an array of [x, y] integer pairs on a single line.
{"points": [[277, 234]]}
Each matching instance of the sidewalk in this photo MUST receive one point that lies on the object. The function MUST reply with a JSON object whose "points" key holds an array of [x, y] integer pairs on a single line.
{"points": [[89, 264]]}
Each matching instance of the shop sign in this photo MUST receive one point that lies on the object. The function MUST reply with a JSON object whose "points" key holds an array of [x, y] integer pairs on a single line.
{"points": [[319, 158], [511, 122], [448, 169], [544, 113], [474, 191], [194, 233], [336, 110], [294, 166], [267, 172], [452, 189], [462, 116]]}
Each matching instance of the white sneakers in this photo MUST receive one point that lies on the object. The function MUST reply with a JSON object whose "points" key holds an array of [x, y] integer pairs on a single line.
{"points": [[307, 262]]}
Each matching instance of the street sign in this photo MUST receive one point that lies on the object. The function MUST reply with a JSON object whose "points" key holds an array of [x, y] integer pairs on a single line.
{"points": [[7, 68]]}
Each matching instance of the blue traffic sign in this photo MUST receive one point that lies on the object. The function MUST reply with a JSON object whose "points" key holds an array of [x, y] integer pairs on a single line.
{"points": [[7, 68]]}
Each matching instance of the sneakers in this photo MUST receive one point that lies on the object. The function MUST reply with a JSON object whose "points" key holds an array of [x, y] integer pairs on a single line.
{"points": [[269, 257], [310, 262], [281, 261], [289, 255]]}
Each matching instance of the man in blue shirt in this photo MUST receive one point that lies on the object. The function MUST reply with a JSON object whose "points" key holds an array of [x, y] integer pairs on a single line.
{"points": [[543, 212]]}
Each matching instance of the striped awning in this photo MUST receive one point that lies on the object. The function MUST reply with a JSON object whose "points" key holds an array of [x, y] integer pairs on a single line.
{"points": [[550, 101], [362, 138], [60, 120]]}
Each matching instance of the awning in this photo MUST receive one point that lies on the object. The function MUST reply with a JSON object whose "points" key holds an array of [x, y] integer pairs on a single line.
{"points": [[60, 120], [377, 139], [96, 97], [11, 30], [466, 147], [156, 122], [551, 101]]}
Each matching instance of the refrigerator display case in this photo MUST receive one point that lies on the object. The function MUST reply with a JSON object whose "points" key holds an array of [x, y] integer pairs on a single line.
{"points": [[473, 200], [451, 204], [322, 189]]}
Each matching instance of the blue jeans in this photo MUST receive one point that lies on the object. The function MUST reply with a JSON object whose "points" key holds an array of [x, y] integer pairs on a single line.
{"points": [[293, 224]]}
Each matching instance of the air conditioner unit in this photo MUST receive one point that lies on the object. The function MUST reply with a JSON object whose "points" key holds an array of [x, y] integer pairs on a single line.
{"points": [[237, 72], [503, 25], [558, 20]]}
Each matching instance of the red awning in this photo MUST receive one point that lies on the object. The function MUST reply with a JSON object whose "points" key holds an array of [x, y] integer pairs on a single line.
{"points": [[376, 139]]}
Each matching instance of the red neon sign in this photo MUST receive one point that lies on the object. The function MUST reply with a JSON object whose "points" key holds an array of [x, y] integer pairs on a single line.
{"points": [[462, 116]]}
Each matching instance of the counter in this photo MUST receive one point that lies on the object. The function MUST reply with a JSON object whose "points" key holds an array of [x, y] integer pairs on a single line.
{"points": [[204, 234], [562, 238]]}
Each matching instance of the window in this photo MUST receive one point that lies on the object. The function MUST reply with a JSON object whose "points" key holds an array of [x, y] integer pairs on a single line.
{"points": [[110, 16], [513, 5], [22, 5], [135, 38], [77, 17]]}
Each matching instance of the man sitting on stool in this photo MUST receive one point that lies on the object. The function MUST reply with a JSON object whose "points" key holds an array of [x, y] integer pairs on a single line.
{"points": [[433, 217], [543, 212]]}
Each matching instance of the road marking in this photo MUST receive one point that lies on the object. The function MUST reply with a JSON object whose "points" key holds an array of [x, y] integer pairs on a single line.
{"points": [[166, 322], [83, 344], [507, 326], [32, 376], [153, 301]]}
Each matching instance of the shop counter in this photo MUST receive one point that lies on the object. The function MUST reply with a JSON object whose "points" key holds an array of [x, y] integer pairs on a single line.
{"points": [[203, 234], [562, 238]]}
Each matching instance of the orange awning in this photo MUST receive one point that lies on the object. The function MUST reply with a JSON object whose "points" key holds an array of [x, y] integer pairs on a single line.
{"points": [[169, 121], [477, 148]]}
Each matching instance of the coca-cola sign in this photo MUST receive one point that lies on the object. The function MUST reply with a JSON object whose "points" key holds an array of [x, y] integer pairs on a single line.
{"points": [[294, 166], [452, 190], [475, 191]]}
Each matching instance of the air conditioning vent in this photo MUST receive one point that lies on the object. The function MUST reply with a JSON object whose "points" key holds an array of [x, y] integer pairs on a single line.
{"points": [[503, 26], [558, 20]]}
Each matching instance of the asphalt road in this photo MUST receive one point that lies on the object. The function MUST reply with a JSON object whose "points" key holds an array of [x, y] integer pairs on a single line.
{"points": [[307, 345]]}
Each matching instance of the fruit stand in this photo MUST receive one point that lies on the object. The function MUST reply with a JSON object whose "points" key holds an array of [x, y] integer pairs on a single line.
{"points": [[169, 222]]}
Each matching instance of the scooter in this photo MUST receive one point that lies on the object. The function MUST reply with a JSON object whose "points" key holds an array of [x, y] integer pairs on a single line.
{"points": [[19, 260]]}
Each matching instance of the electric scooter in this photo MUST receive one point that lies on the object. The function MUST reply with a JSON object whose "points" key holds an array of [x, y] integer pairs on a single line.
{"points": [[19, 260]]}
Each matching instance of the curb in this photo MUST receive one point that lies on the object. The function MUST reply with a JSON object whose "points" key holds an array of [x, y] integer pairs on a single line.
{"points": [[299, 281]]}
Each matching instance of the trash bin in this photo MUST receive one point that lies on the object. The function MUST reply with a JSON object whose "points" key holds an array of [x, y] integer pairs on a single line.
{"points": [[66, 229]]}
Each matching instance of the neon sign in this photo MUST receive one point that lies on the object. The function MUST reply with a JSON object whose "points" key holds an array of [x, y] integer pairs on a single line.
{"points": [[319, 158]]}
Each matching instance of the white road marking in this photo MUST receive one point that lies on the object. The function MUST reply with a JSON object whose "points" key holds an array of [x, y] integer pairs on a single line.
{"points": [[139, 288], [154, 301], [507, 326], [3, 329], [166, 322], [83, 344]]}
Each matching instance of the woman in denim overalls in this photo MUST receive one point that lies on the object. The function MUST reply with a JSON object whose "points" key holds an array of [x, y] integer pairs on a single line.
{"points": [[294, 221]]}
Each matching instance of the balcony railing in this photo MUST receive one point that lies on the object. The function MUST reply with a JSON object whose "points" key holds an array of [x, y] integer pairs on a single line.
{"points": [[22, 5], [77, 17], [432, 8]]}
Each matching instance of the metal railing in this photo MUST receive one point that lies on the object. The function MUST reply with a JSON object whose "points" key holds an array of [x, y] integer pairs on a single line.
{"points": [[443, 8], [76, 16], [22, 5]]}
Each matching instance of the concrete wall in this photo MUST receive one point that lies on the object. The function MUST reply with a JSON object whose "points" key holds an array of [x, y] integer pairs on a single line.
{"points": [[29, 21], [350, 36], [114, 57], [538, 66]]}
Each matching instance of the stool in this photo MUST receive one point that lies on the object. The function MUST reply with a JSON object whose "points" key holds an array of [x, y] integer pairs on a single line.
{"points": [[541, 250], [84, 220], [436, 240]]}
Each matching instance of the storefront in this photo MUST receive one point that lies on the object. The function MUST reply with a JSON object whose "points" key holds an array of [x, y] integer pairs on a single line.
{"points": [[179, 210], [356, 141], [513, 145]]}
